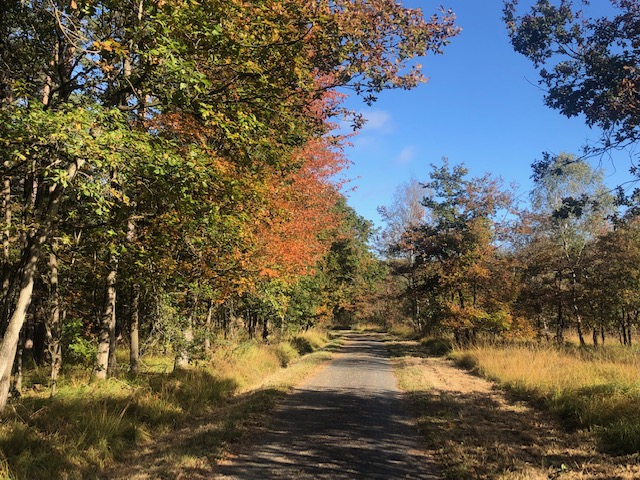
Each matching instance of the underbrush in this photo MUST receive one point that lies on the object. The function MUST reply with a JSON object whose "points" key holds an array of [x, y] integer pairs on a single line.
{"points": [[598, 389], [88, 426]]}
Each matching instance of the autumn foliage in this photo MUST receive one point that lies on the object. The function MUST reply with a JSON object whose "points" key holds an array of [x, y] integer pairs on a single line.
{"points": [[171, 171]]}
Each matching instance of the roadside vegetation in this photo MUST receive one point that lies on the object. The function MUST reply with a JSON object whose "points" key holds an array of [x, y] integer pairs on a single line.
{"points": [[87, 428], [506, 428], [594, 389]]}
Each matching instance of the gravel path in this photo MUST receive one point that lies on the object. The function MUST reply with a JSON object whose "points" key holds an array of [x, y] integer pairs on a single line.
{"points": [[348, 421]]}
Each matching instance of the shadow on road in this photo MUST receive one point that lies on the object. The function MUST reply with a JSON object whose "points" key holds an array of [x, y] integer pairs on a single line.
{"points": [[480, 437], [334, 434], [348, 422]]}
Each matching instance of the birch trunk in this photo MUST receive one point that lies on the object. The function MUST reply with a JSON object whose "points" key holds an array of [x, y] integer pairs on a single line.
{"points": [[207, 325], [9, 343], [183, 355], [16, 388], [182, 358], [6, 235], [54, 326], [107, 326], [113, 362], [134, 348]]}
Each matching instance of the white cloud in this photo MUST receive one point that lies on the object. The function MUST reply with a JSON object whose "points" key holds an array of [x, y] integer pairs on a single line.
{"points": [[377, 120], [406, 155]]}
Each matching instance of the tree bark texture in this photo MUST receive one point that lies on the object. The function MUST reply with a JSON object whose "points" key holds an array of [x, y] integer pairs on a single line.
{"points": [[54, 325], [182, 357], [107, 326], [134, 347]]}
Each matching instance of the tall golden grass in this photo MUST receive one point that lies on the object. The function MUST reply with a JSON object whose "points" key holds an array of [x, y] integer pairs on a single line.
{"points": [[598, 389]]}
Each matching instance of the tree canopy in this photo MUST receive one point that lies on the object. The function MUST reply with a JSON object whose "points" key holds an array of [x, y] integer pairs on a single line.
{"points": [[180, 156], [588, 65]]}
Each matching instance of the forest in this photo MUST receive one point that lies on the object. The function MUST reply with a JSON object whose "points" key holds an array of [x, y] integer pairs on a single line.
{"points": [[174, 209]]}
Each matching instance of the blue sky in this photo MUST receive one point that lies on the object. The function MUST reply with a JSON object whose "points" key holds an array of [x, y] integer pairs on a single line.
{"points": [[481, 107]]}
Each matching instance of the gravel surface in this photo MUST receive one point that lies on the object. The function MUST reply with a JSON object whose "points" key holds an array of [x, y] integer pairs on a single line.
{"points": [[348, 421]]}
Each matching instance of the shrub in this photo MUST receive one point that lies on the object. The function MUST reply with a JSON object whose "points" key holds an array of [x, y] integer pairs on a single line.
{"points": [[286, 353], [309, 341], [437, 346]]}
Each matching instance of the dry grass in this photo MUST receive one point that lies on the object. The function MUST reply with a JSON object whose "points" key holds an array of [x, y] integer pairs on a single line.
{"points": [[88, 428], [594, 389], [476, 431]]}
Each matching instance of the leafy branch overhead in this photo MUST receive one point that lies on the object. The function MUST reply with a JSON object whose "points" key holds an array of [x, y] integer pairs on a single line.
{"points": [[588, 65]]}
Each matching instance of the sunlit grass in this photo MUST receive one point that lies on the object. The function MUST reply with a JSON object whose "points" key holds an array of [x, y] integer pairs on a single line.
{"points": [[598, 389], [88, 426]]}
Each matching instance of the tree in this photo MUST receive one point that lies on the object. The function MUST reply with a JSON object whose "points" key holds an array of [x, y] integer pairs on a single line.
{"points": [[102, 99], [613, 282], [457, 249], [351, 271], [573, 205], [404, 214], [403, 218], [589, 66]]}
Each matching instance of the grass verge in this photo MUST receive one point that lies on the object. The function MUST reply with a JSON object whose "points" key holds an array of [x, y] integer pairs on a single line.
{"points": [[474, 430], [88, 428], [596, 389]]}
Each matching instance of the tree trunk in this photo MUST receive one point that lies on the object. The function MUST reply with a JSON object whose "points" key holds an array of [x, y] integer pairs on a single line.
{"points": [[12, 334], [207, 328], [182, 358], [113, 362], [623, 330], [576, 308], [265, 328], [134, 319], [54, 326], [579, 327], [17, 368], [559, 322], [461, 298], [251, 325], [107, 325], [134, 348], [29, 263], [5, 380], [226, 316], [6, 235]]}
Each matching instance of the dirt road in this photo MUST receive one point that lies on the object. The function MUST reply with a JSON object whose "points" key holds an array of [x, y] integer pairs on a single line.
{"points": [[348, 421]]}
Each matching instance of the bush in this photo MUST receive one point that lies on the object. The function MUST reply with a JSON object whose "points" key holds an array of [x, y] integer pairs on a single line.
{"points": [[286, 353], [437, 346], [309, 341], [77, 347]]}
